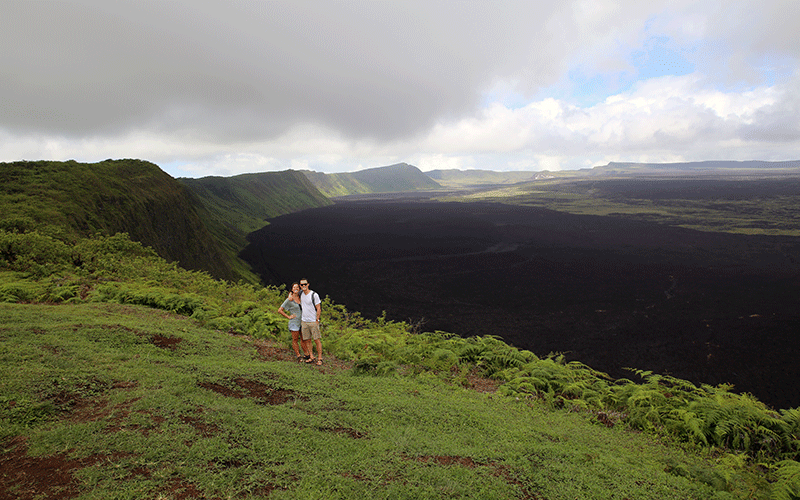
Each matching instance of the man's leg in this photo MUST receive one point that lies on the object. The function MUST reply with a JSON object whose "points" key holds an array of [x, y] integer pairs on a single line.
{"points": [[318, 341]]}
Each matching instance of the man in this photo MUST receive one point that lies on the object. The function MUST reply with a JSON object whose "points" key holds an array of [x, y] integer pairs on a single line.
{"points": [[309, 328]]}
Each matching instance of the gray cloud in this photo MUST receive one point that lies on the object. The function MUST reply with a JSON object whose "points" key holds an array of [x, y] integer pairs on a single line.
{"points": [[350, 82], [249, 69]]}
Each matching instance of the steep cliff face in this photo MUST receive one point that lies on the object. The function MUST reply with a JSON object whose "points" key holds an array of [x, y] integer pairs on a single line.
{"points": [[131, 196], [242, 203], [238, 205]]}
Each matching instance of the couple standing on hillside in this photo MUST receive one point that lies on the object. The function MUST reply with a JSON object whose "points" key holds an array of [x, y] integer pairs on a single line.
{"points": [[302, 308]]}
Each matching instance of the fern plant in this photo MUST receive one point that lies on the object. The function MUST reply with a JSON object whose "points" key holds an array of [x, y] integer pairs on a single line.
{"points": [[787, 487]]}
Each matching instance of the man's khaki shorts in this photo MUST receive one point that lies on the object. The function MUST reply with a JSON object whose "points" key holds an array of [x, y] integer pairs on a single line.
{"points": [[310, 330]]}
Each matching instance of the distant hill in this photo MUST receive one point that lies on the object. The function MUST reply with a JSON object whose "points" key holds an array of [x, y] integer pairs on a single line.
{"points": [[130, 196], [397, 178], [716, 168], [466, 178], [482, 178], [241, 204]]}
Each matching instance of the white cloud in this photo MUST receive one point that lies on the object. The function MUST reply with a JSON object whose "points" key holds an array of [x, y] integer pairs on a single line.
{"points": [[673, 117]]}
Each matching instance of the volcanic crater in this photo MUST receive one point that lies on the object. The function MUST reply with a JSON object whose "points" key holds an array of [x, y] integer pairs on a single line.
{"points": [[611, 292]]}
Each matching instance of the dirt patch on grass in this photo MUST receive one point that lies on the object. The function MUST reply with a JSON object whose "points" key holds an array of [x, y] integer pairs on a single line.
{"points": [[482, 384], [27, 477], [448, 460], [32, 478], [498, 470], [269, 350], [242, 388], [180, 489], [202, 427], [89, 403], [346, 431], [53, 477], [170, 343]]}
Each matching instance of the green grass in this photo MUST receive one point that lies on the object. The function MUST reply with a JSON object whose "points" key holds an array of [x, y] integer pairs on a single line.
{"points": [[90, 382]]}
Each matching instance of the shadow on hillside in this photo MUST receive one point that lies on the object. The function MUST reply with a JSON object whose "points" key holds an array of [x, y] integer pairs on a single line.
{"points": [[612, 293]]}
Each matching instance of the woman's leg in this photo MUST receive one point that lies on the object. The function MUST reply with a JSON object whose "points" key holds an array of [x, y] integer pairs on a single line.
{"points": [[295, 342], [306, 344]]}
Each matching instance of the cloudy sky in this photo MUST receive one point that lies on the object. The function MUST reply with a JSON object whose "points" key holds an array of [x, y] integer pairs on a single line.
{"points": [[221, 88]]}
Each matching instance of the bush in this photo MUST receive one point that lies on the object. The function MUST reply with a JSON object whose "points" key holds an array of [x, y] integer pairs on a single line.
{"points": [[33, 253], [788, 485], [20, 292], [156, 298]]}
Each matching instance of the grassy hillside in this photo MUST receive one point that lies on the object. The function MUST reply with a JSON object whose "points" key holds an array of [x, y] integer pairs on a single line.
{"points": [[138, 403], [80, 199], [334, 185], [396, 178], [123, 375], [241, 204], [149, 381]]}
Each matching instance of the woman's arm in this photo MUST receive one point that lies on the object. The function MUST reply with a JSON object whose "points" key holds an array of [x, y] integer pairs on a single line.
{"points": [[283, 313]]}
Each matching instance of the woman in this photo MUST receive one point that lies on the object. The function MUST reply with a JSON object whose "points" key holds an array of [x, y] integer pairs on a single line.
{"points": [[290, 309]]}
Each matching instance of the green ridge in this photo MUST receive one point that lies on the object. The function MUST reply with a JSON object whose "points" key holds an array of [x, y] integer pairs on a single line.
{"points": [[398, 178]]}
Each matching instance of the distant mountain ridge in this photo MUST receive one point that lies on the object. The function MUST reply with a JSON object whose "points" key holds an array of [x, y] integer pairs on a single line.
{"points": [[397, 178], [715, 167], [458, 178], [467, 179]]}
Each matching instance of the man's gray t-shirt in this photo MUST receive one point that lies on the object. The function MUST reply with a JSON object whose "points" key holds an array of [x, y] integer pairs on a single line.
{"points": [[309, 301]]}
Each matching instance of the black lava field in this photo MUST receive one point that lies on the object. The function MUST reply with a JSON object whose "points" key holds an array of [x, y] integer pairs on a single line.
{"points": [[609, 292]]}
